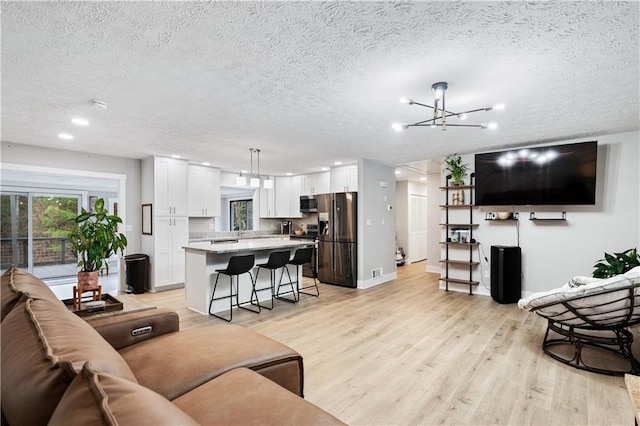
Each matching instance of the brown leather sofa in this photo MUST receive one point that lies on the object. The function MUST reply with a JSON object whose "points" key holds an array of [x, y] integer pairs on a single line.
{"points": [[59, 369]]}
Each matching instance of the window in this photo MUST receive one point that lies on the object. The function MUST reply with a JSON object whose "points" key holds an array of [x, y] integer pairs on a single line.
{"points": [[241, 214], [34, 232]]}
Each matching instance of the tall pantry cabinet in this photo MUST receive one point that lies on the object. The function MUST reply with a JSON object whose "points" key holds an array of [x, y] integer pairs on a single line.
{"points": [[164, 186]]}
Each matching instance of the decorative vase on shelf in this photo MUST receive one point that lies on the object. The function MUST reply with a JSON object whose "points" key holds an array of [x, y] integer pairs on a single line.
{"points": [[457, 198]]}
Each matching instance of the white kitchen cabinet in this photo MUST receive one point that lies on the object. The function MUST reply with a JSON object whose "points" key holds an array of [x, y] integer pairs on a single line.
{"points": [[344, 179], [283, 201], [170, 187], [294, 196], [171, 234], [204, 191], [267, 202], [282, 196], [316, 183], [165, 187]]}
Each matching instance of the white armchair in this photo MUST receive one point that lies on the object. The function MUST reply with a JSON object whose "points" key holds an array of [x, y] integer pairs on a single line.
{"points": [[590, 314]]}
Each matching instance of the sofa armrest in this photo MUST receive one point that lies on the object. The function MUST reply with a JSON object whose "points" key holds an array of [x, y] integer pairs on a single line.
{"points": [[128, 329]]}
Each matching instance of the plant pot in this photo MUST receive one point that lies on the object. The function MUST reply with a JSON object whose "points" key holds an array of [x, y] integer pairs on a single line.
{"points": [[87, 281]]}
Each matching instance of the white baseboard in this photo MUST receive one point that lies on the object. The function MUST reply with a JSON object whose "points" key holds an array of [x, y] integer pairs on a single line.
{"points": [[364, 284], [433, 268]]}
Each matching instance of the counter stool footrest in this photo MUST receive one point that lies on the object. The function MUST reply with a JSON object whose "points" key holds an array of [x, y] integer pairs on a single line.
{"points": [[293, 291]]}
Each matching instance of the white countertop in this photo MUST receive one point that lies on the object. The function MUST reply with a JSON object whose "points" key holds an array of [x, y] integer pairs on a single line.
{"points": [[257, 244]]}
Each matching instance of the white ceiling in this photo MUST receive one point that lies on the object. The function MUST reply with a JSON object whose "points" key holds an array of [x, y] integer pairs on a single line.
{"points": [[310, 83]]}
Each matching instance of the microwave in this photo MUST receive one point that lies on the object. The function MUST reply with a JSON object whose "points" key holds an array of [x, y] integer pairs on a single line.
{"points": [[308, 204]]}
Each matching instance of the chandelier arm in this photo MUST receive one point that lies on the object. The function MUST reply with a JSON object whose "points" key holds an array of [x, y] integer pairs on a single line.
{"points": [[463, 125], [422, 123], [449, 113], [424, 105], [475, 110]]}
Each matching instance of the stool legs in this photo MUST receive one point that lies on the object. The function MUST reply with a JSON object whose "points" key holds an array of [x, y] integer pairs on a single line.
{"points": [[294, 293], [272, 272], [230, 296], [315, 284]]}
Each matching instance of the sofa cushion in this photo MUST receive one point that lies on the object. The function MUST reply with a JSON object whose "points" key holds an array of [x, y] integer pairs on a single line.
{"points": [[211, 351], [95, 398], [15, 282], [605, 301], [244, 397], [43, 347]]}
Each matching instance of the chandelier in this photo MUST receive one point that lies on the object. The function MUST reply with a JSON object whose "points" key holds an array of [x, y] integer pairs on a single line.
{"points": [[254, 178], [441, 114]]}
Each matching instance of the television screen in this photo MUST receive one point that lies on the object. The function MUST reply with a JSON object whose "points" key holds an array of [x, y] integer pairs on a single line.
{"points": [[551, 175]]}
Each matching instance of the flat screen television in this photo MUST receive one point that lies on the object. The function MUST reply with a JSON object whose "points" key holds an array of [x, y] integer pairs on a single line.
{"points": [[550, 175]]}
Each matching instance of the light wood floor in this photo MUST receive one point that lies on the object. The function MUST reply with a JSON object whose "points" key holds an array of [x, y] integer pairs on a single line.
{"points": [[406, 353]]}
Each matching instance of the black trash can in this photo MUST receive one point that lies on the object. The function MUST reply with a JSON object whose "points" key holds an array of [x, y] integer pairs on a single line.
{"points": [[137, 272]]}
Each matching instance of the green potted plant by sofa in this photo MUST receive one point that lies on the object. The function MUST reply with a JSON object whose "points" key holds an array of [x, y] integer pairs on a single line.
{"points": [[616, 263], [457, 169], [94, 239]]}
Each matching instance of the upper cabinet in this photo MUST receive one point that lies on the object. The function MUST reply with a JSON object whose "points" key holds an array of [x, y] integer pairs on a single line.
{"points": [[170, 187], [283, 201], [316, 183], [204, 191], [344, 179]]}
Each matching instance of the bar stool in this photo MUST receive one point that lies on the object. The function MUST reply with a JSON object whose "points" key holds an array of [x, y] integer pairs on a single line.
{"points": [[302, 257], [277, 260], [237, 266]]}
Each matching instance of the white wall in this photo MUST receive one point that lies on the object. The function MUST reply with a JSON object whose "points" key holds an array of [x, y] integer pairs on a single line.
{"points": [[553, 252], [376, 223], [402, 214], [71, 160]]}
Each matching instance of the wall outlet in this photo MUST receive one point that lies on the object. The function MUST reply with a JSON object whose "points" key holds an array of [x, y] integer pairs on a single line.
{"points": [[375, 273], [487, 274], [129, 228]]}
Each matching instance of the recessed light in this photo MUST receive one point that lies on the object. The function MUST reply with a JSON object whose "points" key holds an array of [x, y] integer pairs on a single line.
{"points": [[175, 156], [289, 174], [338, 163], [65, 136], [423, 178], [397, 172], [206, 164], [324, 169], [80, 121]]}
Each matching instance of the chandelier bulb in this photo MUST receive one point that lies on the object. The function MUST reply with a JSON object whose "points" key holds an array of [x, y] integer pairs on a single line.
{"points": [[498, 107], [406, 101]]}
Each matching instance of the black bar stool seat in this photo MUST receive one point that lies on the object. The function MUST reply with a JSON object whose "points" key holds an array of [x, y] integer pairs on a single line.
{"points": [[302, 257], [277, 260], [237, 266]]}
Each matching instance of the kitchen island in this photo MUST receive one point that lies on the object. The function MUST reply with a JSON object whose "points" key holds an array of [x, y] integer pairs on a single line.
{"points": [[203, 258]]}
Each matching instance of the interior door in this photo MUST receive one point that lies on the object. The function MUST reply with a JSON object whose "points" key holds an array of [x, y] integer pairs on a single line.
{"points": [[417, 249]]}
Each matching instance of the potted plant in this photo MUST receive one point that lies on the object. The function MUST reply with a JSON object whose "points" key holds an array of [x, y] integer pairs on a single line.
{"points": [[616, 263], [94, 239], [457, 169]]}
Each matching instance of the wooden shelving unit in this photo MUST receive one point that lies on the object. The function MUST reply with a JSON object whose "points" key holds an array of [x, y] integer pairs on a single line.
{"points": [[467, 241]]}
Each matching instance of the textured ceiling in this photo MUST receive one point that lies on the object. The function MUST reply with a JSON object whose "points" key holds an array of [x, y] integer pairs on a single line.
{"points": [[310, 83]]}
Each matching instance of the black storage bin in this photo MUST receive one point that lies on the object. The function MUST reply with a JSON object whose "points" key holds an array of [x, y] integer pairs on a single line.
{"points": [[137, 272]]}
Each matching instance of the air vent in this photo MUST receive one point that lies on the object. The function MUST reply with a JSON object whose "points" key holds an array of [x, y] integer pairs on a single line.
{"points": [[375, 273]]}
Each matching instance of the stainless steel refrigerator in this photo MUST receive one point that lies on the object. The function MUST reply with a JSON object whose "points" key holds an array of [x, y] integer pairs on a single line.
{"points": [[337, 238]]}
